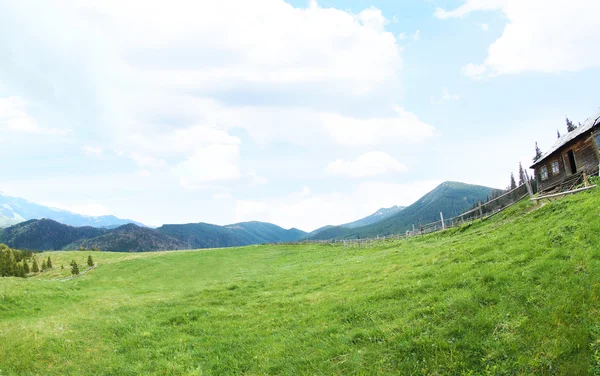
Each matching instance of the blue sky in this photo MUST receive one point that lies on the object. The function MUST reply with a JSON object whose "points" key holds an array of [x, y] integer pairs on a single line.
{"points": [[298, 113]]}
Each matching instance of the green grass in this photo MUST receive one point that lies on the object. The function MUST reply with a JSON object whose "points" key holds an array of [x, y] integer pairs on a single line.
{"points": [[516, 294]]}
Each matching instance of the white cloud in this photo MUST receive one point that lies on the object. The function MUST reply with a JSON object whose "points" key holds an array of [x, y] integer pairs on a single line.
{"points": [[484, 26], [254, 180], [446, 97], [468, 7], [222, 196], [14, 118], [404, 127], [532, 39], [90, 209], [402, 36], [93, 151], [416, 35], [210, 164], [247, 210], [373, 19], [369, 164]]}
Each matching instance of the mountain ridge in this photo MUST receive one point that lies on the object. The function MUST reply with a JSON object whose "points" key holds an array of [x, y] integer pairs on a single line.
{"points": [[449, 197], [14, 210]]}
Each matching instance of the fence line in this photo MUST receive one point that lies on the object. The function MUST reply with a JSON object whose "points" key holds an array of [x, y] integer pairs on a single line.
{"points": [[482, 211]]}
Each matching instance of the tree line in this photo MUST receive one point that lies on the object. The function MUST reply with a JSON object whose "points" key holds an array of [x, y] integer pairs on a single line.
{"points": [[18, 263]]}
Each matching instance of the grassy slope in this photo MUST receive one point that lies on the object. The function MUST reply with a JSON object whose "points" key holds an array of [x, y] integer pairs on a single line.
{"points": [[518, 294]]}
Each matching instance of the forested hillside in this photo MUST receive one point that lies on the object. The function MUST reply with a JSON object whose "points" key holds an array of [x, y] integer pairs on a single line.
{"points": [[451, 198]]}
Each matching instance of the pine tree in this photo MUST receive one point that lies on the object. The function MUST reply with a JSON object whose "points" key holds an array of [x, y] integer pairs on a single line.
{"points": [[19, 271], [11, 263], [49, 263], [44, 266], [35, 267], [26, 267], [513, 183], [74, 268], [557, 134], [90, 261], [521, 174], [570, 126], [538, 153]]}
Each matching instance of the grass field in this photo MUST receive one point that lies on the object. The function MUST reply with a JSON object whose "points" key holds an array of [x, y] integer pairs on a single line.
{"points": [[516, 294]]}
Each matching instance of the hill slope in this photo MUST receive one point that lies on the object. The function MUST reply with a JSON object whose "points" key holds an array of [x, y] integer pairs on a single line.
{"points": [[14, 210], [130, 238], [451, 198], [378, 216], [45, 234], [517, 294], [204, 235]]}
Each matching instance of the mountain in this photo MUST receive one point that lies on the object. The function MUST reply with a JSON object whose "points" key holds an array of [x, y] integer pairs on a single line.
{"points": [[378, 216], [450, 198], [204, 235], [45, 234], [130, 238], [14, 210]]}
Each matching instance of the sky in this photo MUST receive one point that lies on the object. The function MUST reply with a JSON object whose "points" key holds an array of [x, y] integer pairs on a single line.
{"points": [[300, 113]]}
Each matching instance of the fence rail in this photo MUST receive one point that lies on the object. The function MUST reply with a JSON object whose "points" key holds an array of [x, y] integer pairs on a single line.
{"points": [[481, 211]]}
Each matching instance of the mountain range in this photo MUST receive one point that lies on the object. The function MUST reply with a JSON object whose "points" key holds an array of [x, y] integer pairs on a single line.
{"points": [[49, 234], [15, 210], [450, 198]]}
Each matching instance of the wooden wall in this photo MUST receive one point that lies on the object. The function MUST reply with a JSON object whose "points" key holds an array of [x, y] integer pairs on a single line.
{"points": [[587, 157]]}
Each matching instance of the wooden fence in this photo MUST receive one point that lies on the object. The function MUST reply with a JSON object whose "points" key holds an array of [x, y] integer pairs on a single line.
{"points": [[482, 211]]}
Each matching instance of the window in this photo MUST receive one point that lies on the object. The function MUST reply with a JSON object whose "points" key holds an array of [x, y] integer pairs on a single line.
{"points": [[544, 173], [555, 168]]}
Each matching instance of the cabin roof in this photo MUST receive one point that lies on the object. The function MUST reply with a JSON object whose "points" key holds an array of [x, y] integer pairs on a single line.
{"points": [[590, 123]]}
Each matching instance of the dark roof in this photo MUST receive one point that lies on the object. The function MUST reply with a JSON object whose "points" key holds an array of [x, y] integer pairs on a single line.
{"points": [[590, 123]]}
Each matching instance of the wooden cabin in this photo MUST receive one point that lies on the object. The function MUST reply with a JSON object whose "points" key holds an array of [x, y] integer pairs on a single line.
{"points": [[574, 153]]}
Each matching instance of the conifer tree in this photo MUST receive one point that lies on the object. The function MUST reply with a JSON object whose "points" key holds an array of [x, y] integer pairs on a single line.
{"points": [[26, 267], [557, 134], [90, 261], [538, 153], [19, 271], [74, 268], [521, 174], [35, 268], [570, 126], [44, 266], [11, 263], [49, 263], [513, 183]]}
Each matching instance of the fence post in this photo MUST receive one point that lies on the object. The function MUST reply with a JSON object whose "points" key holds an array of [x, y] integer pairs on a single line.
{"points": [[480, 210], [528, 184], [443, 223]]}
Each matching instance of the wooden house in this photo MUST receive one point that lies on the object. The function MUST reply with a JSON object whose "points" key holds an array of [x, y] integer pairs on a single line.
{"points": [[574, 153]]}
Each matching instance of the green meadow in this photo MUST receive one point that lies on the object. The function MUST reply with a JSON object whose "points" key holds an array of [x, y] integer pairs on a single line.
{"points": [[517, 294]]}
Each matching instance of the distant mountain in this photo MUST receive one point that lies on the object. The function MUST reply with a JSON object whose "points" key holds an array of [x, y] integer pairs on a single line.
{"points": [[204, 235], [130, 238], [320, 229], [450, 198], [45, 234], [14, 210], [378, 216]]}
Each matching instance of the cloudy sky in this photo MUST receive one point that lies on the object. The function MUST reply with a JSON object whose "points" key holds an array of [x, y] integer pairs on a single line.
{"points": [[301, 113]]}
